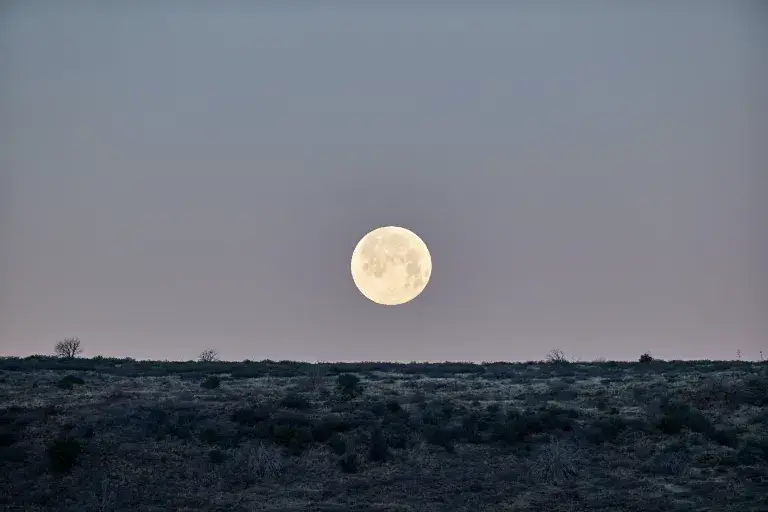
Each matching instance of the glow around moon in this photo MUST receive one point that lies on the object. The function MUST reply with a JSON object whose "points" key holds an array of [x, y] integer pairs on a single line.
{"points": [[391, 265]]}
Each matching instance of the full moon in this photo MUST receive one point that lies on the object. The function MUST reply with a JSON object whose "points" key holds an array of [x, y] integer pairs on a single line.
{"points": [[391, 265]]}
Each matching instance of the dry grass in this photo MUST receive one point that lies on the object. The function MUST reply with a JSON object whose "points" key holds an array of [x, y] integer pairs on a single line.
{"points": [[558, 437]]}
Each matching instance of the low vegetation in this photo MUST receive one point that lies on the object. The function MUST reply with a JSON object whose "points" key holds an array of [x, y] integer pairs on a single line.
{"points": [[105, 434]]}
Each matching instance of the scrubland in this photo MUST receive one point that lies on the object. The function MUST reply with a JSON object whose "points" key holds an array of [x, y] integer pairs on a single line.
{"points": [[120, 435]]}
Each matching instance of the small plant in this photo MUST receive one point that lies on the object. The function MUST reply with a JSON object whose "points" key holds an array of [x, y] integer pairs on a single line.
{"points": [[68, 348], [63, 453], [557, 462], [348, 384], [208, 355], [264, 461], [211, 382], [646, 358]]}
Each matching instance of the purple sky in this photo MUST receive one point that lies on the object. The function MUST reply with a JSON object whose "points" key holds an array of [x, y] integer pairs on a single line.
{"points": [[176, 176]]}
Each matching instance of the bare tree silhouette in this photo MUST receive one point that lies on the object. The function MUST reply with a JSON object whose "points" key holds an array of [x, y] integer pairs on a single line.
{"points": [[208, 356], [68, 348], [556, 356]]}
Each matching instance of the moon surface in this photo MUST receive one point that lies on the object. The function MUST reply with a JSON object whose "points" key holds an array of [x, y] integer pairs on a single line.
{"points": [[391, 265]]}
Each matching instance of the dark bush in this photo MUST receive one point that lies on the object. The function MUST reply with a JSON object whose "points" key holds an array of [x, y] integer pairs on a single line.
{"points": [[492, 409], [217, 456], [161, 423], [209, 435], [290, 429], [471, 428], [211, 382], [379, 451], [440, 436], [753, 391], [295, 401], [348, 385], [338, 444], [516, 426], [349, 462], [754, 451], [646, 358], [436, 413], [604, 430], [378, 408], [393, 406], [251, 416], [7, 438], [725, 437], [63, 453], [324, 428], [676, 415], [69, 381]]}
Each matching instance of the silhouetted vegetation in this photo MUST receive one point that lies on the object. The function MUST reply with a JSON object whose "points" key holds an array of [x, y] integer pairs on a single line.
{"points": [[68, 348], [63, 453], [208, 355], [211, 382], [491, 430], [348, 384], [70, 381]]}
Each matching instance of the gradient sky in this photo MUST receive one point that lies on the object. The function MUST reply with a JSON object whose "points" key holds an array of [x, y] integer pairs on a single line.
{"points": [[176, 176]]}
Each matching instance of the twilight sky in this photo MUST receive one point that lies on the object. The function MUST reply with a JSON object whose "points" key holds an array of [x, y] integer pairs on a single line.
{"points": [[176, 176]]}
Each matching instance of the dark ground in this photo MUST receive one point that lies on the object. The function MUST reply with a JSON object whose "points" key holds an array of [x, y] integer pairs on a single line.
{"points": [[120, 435]]}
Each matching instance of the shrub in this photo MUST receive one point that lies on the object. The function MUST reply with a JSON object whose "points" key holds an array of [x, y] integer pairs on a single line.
{"points": [[646, 358], [440, 436], [348, 385], [211, 382], [349, 462], [516, 426], [754, 451], [557, 462], [393, 406], [292, 430], [676, 415], [378, 408], [217, 456], [7, 438], [295, 401], [69, 381], [63, 453], [436, 412], [471, 427], [260, 460], [338, 444], [379, 451], [251, 416], [605, 430]]}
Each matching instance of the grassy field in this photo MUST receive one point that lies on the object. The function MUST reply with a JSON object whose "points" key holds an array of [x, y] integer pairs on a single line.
{"points": [[121, 435]]}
